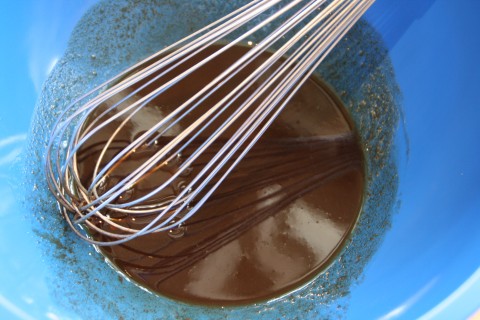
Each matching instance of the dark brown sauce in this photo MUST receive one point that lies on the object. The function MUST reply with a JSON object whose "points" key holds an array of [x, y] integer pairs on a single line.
{"points": [[277, 220]]}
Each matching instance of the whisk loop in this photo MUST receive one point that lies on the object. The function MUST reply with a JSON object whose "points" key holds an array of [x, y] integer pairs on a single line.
{"points": [[304, 33]]}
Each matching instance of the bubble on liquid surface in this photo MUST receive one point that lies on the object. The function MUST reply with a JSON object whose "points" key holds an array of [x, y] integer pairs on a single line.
{"points": [[177, 232]]}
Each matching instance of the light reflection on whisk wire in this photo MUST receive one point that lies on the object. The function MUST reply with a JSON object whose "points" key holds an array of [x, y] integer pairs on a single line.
{"points": [[305, 50]]}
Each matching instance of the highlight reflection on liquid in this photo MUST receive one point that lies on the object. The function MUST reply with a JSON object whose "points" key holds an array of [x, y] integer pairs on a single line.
{"points": [[274, 222]]}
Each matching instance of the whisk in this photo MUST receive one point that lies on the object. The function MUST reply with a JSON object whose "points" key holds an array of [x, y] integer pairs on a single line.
{"points": [[304, 33]]}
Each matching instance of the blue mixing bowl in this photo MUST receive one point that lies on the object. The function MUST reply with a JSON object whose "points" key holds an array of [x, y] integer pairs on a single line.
{"points": [[416, 250]]}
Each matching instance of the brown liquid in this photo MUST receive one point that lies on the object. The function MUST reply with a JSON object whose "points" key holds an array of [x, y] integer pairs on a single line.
{"points": [[277, 220]]}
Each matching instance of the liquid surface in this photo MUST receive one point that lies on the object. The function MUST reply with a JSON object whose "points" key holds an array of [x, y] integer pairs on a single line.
{"points": [[276, 222]]}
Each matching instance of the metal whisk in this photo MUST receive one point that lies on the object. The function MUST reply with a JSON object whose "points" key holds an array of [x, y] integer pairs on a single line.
{"points": [[304, 33]]}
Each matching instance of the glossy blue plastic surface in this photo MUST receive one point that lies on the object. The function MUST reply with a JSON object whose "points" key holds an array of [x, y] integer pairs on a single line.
{"points": [[428, 264]]}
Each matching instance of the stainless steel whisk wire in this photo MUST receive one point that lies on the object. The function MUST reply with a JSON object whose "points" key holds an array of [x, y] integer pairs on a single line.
{"points": [[329, 22]]}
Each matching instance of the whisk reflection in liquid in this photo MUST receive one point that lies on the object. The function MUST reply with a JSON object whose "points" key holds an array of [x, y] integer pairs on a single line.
{"points": [[274, 184]]}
